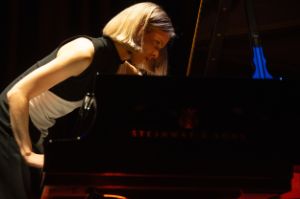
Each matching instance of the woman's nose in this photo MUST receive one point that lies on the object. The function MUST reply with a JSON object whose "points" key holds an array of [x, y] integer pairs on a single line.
{"points": [[155, 54]]}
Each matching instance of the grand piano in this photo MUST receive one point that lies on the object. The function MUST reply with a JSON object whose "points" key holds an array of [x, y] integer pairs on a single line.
{"points": [[215, 134], [170, 137]]}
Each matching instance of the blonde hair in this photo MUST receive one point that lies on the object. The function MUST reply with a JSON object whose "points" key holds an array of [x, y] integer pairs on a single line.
{"points": [[129, 26]]}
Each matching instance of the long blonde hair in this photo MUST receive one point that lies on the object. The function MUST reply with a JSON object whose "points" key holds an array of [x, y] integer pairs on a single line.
{"points": [[129, 26]]}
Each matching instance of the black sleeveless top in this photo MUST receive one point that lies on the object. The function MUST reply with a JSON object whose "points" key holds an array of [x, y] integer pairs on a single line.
{"points": [[105, 61]]}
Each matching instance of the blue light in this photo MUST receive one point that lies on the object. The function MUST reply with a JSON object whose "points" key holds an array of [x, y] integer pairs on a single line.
{"points": [[259, 61]]}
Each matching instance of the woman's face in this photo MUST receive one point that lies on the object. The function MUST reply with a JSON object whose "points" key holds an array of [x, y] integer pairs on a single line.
{"points": [[154, 41]]}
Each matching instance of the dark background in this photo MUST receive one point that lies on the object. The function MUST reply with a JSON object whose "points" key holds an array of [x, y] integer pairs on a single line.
{"points": [[32, 28]]}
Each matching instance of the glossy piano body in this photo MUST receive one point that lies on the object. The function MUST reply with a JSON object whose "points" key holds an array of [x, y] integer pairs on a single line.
{"points": [[177, 136]]}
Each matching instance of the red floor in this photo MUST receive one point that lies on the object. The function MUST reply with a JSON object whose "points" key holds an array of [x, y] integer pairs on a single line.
{"points": [[294, 193], [295, 190]]}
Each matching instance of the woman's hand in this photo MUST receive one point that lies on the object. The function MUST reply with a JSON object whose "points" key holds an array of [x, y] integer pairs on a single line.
{"points": [[34, 160]]}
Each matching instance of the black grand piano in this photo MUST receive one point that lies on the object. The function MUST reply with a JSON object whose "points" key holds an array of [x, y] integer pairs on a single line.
{"points": [[215, 134], [168, 137]]}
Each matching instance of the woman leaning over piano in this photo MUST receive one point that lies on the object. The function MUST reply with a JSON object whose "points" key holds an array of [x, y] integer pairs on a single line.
{"points": [[133, 42]]}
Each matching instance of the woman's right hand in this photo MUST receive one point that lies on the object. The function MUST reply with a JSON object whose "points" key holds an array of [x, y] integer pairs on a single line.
{"points": [[34, 160]]}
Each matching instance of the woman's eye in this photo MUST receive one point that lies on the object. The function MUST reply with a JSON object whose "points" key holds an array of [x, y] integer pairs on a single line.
{"points": [[157, 44]]}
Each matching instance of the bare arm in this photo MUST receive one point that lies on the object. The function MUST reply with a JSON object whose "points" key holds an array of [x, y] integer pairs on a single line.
{"points": [[72, 59]]}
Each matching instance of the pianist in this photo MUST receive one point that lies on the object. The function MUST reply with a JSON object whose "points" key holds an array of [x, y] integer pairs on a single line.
{"points": [[133, 42]]}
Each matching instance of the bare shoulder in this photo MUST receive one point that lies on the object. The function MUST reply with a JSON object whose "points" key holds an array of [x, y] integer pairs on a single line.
{"points": [[81, 46]]}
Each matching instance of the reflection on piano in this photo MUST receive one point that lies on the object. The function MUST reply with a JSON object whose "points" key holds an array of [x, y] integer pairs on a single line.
{"points": [[166, 137]]}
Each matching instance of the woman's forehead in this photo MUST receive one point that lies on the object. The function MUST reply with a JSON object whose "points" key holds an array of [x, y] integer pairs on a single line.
{"points": [[160, 35]]}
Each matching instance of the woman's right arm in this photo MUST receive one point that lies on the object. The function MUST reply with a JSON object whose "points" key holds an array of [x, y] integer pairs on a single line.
{"points": [[72, 59]]}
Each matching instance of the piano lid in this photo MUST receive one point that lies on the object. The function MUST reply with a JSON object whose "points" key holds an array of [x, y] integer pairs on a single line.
{"points": [[278, 24]]}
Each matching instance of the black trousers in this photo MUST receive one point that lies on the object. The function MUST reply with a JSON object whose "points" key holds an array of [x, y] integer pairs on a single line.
{"points": [[14, 173]]}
